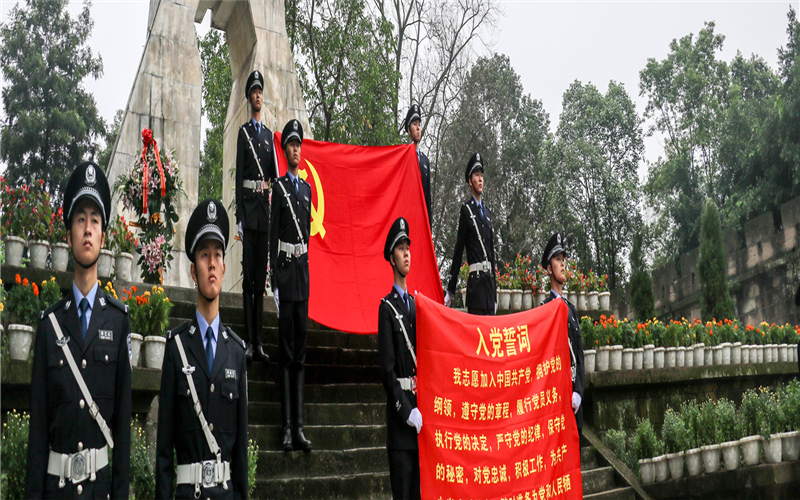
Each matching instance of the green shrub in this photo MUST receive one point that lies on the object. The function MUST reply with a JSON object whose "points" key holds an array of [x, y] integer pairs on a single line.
{"points": [[620, 444], [690, 411], [673, 432], [751, 413], [728, 426], [715, 300], [14, 455], [588, 336], [773, 417], [706, 424], [646, 444], [143, 481], [789, 399], [252, 464]]}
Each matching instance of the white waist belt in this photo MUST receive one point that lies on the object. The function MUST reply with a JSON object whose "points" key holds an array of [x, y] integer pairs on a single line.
{"points": [[291, 249], [408, 384], [78, 466], [258, 186], [207, 474], [480, 267]]}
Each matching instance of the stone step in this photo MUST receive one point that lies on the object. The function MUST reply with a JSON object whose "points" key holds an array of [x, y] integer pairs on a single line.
{"points": [[321, 463], [269, 392], [588, 458], [320, 373], [322, 437], [625, 493], [367, 486], [597, 480], [322, 413], [325, 355]]}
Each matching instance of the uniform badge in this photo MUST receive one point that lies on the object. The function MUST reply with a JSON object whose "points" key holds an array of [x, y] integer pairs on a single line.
{"points": [[294, 125], [558, 238], [478, 156], [402, 224], [102, 301], [191, 330], [211, 213], [91, 176], [107, 335], [256, 74], [224, 334], [66, 306], [62, 341], [230, 373]]}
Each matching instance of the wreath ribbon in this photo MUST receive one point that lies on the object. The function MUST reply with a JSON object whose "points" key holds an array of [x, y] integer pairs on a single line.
{"points": [[147, 139]]}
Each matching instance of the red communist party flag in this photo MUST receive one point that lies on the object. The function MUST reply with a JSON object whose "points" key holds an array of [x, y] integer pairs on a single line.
{"points": [[357, 193], [495, 395]]}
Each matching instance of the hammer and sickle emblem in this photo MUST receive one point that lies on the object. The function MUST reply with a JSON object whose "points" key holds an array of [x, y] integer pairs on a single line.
{"points": [[318, 212]]}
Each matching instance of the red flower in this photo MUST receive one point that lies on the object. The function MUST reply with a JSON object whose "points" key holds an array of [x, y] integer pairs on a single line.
{"points": [[18, 279], [41, 182], [147, 136]]}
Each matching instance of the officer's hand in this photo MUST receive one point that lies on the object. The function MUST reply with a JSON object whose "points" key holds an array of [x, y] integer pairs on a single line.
{"points": [[576, 402], [448, 299], [241, 232], [495, 308], [415, 419], [277, 301]]}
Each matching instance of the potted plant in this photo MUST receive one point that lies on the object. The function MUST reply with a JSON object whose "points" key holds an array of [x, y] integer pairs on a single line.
{"points": [[728, 433], [706, 434], [789, 400], [133, 302], [689, 415], [771, 426], [603, 295], [543, 285], [646, 446], [588, 340], [152, 320], [751, 412], [515, 287], [59, 250], [673, 432], [573, 276], [23, 307], [39, 225], [123, 243], [14, 221], [504, 291], [592, 300]]}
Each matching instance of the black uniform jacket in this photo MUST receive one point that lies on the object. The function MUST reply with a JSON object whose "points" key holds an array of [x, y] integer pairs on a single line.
{"points": [[223, 398], [252, 208], [396, 362], [577, 347], [481, 287], [290, 273], [425, 172], [58, 422]]}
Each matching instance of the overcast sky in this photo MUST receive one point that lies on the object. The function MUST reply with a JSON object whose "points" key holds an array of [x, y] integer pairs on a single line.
{"points": [[550, 43]]}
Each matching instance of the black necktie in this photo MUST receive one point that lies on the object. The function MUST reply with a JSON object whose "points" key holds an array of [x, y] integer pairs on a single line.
{"points": [[480, 207], [84, 306], [296, 188], [209, 350]]}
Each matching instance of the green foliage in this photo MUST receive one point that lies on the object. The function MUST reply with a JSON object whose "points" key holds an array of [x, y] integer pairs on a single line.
{"points": [[16, 210], [674, 433], [51, 121], [642, 299], [151, 316], [119, 236], [14, 455], [715, 300], [23, 302], [110, 137], [690, 412], [620, 444], [751, 413], [252, 465], [49, 293], [645, 442], [789, 398], [706, 424], [588, 337], [729, 427], [217, 85], [143, 481], [773, 418]]}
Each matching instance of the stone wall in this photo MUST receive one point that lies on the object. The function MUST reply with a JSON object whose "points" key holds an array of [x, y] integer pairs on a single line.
{"points": [[762, 268]]}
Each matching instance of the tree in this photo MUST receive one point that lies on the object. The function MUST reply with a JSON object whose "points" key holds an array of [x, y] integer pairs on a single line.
{"points": [[51, 120], [217, 85], [715, 300], [600, 147], [642, 299], [110, 136]]}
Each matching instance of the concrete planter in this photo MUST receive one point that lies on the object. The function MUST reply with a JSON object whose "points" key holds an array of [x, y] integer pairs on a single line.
{"points": [[589, 360], [122, 266], [736, 353], [708, 356], [730, 454], [540, 298], [773, 449], [675, 461], [710, 458], [783, 353], [59, 254], [751, 449], [670, 357], [627, 359], [503, 299], [647, 470], [658, 357], [592, 301], [694, 462], [527, 300], [717, 355], [790, 443], [573, 298], [689, 357], [680, 357], [603, 353], [39, 251], [104, 262], [648, 357], [767, 353], [745, 352], [463, 292], [605, 301], [615, 358], [638, 358], [581, 301], [775, 350], [516, 300], [15, 246], [759, 354], [662, 468], [698, 354], [20, 340], [726, 353], [136, 348], [154, 351]]}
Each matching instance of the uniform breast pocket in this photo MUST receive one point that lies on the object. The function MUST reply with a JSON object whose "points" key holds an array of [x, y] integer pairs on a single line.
{"points": [[184, 406], [59, 378], [105, 363], [230, 397]]}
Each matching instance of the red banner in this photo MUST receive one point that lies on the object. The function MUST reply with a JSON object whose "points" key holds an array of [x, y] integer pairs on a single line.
{"points": [[495, 396], [357, 193]]}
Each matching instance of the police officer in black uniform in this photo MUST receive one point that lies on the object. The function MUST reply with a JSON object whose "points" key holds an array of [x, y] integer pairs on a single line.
{"points": [[202, 412], [255, 169], [289, 235], [413, 125], [554, 261], [397, 345], [476, 234], [81, 379]]}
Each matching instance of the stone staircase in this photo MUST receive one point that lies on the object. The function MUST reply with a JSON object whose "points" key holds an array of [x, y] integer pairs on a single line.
{"points": [[600, 480]]}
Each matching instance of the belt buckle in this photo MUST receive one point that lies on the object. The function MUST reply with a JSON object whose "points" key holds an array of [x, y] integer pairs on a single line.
{"points": [[298, 251], [209, 476], [414, 385], [78, 467]]}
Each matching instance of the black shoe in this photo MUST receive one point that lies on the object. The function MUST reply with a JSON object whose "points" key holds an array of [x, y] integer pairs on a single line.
{"points": [[287, 439], [299, 441], [286, 443]]}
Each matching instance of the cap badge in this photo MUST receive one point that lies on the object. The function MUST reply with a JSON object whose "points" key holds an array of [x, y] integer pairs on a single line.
{"points": [[91, 176], [558, 238], [294, 125], [478, 156], [402, 225], [211, 213], [257, 75]]}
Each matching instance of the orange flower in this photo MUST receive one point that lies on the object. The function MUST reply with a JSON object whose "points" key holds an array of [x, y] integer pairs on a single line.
{"points": [[18, 279], [35, 290], [25, 282]]}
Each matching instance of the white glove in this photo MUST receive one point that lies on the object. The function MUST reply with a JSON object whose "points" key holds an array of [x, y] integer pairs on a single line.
{"points": [[576, 402], [241, 232], [495, 308], [277, 302], [415, 419], [448, 299]]}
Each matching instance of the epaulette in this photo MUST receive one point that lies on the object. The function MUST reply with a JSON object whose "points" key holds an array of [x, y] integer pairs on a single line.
{"points": [[117, 303], [235, 337], [52, 308], [178, 329]]}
